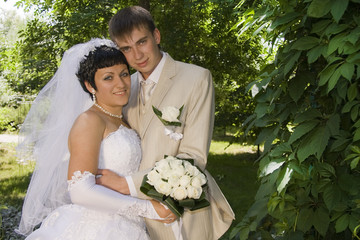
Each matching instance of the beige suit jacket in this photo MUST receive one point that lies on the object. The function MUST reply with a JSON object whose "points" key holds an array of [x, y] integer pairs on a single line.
{"points": [[187, 85]]}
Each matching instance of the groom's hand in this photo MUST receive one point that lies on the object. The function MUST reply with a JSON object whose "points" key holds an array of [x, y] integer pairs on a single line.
{"points": [[109, 179]]}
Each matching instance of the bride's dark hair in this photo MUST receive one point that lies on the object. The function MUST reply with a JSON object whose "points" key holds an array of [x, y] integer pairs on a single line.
{"points": [[101, 57]]}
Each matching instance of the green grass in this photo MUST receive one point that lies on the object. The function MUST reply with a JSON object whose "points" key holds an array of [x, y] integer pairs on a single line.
{"points": [[14, 177], [233, 168]]}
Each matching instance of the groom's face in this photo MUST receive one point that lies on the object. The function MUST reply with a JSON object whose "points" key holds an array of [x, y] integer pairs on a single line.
{"points": [[141, 49]]}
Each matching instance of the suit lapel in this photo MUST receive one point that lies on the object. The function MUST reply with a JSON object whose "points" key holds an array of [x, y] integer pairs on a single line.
{"points": [[159, 93]]}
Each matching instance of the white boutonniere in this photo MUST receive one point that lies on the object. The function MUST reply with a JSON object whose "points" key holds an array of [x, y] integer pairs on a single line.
{"points": [[170, 117]]}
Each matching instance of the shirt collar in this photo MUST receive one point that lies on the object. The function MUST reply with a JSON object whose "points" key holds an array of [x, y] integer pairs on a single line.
{"points": [[155, 75]]}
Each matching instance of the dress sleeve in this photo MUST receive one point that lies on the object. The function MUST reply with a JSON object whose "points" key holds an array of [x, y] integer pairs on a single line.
{"points": [[84, 191]]}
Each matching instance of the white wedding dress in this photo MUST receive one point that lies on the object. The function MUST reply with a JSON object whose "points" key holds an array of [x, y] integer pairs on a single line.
{"points": [[120, 152]]}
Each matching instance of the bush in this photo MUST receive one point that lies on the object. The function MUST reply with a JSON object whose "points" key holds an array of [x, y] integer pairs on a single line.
{"points": [[12, 117]]}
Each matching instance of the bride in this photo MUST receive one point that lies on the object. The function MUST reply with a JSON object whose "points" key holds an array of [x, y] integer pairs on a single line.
{"points": [[74, 127]]}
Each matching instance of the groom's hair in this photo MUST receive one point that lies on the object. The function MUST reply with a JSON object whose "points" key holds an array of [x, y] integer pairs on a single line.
{"points": [[101, 57], [127, 19]]}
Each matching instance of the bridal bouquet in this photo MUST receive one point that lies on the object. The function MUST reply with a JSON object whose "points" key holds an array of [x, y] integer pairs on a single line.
{"points": [[177, 183]]}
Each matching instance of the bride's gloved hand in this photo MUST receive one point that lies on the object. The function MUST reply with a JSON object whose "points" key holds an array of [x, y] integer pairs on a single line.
{"points": [[84, 191], [164, 212]]}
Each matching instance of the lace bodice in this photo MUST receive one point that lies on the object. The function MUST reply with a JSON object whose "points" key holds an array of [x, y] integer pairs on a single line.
{"points": [[120, 152]]}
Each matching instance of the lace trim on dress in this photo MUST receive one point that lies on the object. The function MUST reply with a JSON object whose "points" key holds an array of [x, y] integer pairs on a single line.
{"points": [[77, 177]]}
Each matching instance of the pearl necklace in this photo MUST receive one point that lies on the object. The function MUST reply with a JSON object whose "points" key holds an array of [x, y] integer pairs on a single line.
{"points": [[107, 112]]}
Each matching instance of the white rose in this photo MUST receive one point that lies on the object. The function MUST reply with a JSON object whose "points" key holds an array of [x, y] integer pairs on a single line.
{"points": [[174, 162], [153, 176], [170, 114], [189, 168], [174, 180], [162, 166], [179, 193], [196, 181], [202, 178], [169, 158], [163, 187], [194, 192], [185, 181], [196, 171], [179, 170]]}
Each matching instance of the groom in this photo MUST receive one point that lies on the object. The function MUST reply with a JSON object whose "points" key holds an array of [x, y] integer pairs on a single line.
{"points": [[161, 82]]}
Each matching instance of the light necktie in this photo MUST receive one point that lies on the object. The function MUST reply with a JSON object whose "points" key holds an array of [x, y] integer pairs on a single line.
{"points": [[146, 90]]}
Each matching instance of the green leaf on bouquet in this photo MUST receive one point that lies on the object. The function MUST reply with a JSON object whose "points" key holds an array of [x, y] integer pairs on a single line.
{"points": [[150, 191], [174, 206], [201, 202], [188, 203], [158, 113]]}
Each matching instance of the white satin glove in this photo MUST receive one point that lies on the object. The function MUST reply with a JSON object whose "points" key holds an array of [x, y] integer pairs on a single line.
{"points": [[85, 192]]}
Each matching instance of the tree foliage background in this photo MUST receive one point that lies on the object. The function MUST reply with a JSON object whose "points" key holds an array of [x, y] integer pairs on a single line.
{"points": [[198, 32], [307, 108], [305, 105]]}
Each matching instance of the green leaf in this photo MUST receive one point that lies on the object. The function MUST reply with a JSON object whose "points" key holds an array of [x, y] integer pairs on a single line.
{"points": [[354, 112], [335, 28], [261, 109], [325, 170], [354, 163], [357, 124], [336, 42], [289, 64], [315, 53], [327, 73], [319, 8], [297, 86], [272, 166], [305, 219], [356, 135], [338, 8], [314, 143], [309, 114], [302, 129], [354, 36], [284, 178], [305, 43], [339, 144], [342, 223], [333, 124], [348, 106], [321, 220], [352, 92], [320, 26], [280, 150], [284, 19], [332, 196], [349, 48], [333, 80], [353, 57], [347, 70]]}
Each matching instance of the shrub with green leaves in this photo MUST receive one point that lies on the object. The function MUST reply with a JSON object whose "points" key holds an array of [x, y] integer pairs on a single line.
{"points": [[12, 117], [307, 108]]}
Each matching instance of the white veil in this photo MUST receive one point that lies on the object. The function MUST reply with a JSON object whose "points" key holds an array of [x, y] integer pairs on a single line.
{"points": [[44, 136]]}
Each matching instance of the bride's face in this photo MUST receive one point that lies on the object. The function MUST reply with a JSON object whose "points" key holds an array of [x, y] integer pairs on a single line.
{"points": [[113, 86]]}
